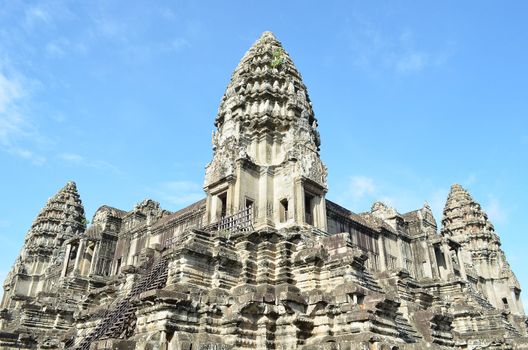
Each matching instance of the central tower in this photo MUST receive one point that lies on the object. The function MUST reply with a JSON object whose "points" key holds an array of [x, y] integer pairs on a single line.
{"points": [[266, 145]]}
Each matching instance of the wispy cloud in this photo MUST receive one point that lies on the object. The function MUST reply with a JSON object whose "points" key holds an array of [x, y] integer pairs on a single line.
{"points": [[362, 191], [78, 160], [360, 186], [37, 14], [375, 50], [496, 212], [437, 201], [179, 193], [4, 223], [16, 128], [62, 47]]}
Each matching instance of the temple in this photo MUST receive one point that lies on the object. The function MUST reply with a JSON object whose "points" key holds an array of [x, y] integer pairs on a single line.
{"points": [[264, 260]]}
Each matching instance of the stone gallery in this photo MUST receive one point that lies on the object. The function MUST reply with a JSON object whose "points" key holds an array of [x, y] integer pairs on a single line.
{"points": [[264, 260]]}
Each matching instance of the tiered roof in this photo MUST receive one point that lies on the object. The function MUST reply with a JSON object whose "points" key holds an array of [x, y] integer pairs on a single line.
{"points": [[61, 218], [266, 90]]}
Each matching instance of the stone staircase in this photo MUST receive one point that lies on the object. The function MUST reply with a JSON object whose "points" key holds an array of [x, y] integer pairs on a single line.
{"points": [[115, 321], [478, 298], [406, 330], [369, 282]]}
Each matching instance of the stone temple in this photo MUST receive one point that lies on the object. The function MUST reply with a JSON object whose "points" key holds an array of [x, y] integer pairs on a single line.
{"points": [[264, 261]]}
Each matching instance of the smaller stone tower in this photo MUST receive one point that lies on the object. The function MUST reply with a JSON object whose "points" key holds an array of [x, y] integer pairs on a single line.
{"points": [[466, 223], [61, 218], [266, 146]]}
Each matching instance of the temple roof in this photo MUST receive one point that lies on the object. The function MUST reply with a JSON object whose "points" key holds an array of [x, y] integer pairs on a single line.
{"points": [[462, 214], [266, 90], [61, 218]]}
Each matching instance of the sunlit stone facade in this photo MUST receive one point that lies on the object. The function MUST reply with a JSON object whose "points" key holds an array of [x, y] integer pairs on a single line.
{"points": [[264, 261]]}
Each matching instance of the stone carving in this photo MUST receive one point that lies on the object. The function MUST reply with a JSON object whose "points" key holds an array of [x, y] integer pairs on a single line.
{"points": [[303, 279]]}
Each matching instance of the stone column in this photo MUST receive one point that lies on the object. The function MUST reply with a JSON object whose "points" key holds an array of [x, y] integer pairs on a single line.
{"points": [[381, 248], [265, 197], [95, 257], [80, 254], [447, 258], [298, 202], [320, 212], [427, 255], [399, 251], [66, 260], [461, 264]]}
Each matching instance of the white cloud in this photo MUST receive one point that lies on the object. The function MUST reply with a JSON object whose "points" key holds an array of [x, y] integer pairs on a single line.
{"points": [[4, 223], [168, 14], [57, 48], [470, 180], [79, 160], [37, 14], [413, 61], [179, 193], [437, 201], [495, 211], [361, 186], [110, 28], [362, 191], [10, 92], [16, 129], [374, 50], [179, 43]]}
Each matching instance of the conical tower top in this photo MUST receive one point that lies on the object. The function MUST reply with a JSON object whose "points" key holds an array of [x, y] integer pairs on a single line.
{"points": [[463, 215], [62, 216], [266, 94], [266, 144]]}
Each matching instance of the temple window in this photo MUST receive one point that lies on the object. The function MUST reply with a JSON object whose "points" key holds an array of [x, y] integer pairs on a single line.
{"points": [[283, 210], [221, 205], [308, 208]]}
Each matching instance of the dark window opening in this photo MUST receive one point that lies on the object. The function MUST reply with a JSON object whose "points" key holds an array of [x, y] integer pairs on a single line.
{"points": [[308, 210], [223, 204], [440, 260], [118, 265], [505, 303], [249, 203], [284, 210]]}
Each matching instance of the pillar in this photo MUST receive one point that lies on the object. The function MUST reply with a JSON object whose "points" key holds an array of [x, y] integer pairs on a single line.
{"points": [[447, 257], [80, 254], [381, 248], [66, 260], [95, 257], [461, 264]]}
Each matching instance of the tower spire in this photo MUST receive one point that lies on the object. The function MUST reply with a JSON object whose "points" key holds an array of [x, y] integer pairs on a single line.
{"points": [[467, 223], [266, 133], [61, 218]]}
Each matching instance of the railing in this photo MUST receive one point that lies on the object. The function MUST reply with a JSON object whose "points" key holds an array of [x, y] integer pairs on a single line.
{"points": [[392, 262], [373, 261], [241, 221], [121, 311], [408, 265]]}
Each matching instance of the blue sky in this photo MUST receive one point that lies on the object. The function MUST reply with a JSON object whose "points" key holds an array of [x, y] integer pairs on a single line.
{"points": [[120, 96]]}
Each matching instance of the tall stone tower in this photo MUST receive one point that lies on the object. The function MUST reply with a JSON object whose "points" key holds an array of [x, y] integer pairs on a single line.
{"points": [[265, 261], [266, 146], [465, 222], [40, 261]]}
